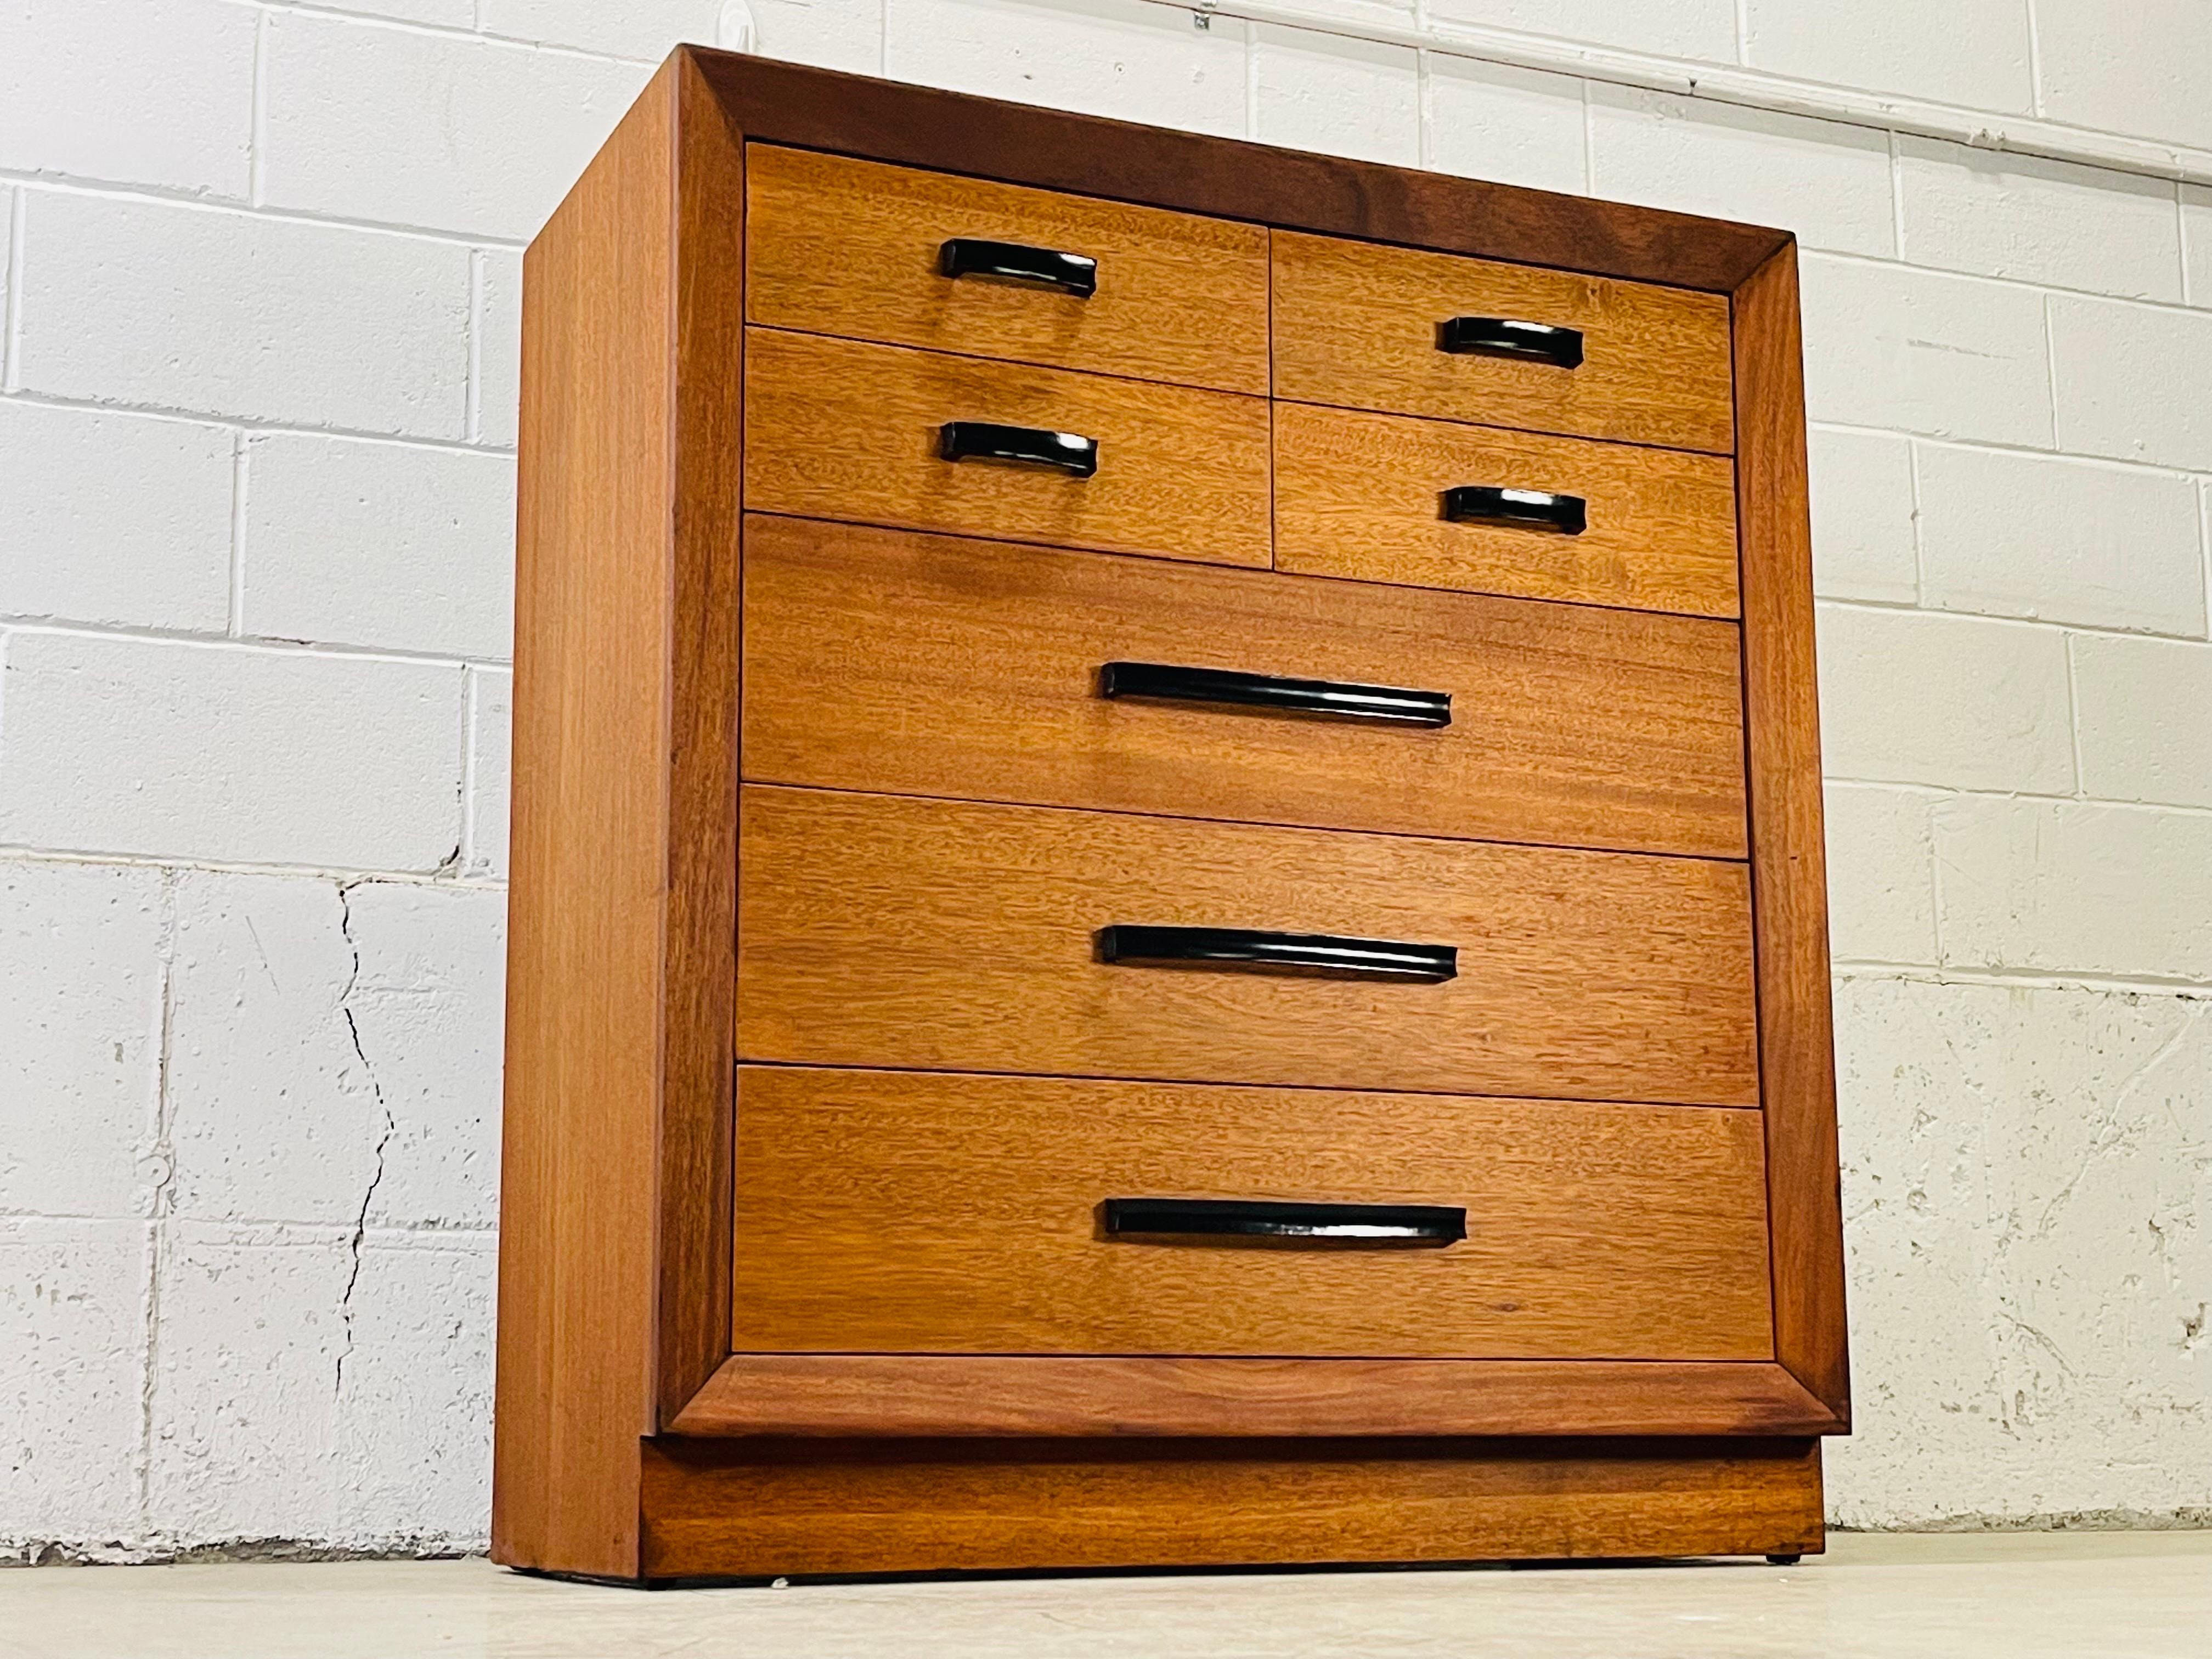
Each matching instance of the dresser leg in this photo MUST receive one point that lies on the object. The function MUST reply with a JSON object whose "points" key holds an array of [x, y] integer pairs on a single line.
{"points": [[1783, 1560]]}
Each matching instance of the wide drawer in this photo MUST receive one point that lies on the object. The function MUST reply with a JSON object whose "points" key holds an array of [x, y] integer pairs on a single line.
{"points": [[926, 1214], [1358, 324], [836, 246], [1373, 496], [877, 930], [839, 429], [973, 670]]}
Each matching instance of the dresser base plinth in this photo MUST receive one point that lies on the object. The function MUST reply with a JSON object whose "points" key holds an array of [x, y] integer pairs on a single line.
{"points": [[793, 1508]]}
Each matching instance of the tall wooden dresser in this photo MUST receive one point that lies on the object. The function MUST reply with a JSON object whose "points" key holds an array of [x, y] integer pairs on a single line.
{"points": [[1168, 902]]}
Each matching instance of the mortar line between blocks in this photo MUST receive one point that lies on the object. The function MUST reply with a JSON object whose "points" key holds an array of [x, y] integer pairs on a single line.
{"points": [[1996, 447], [249, 423], [20, 853], [463, 36], [2024, 979], [472, 700], [1897, 200], [160, 1201], [11, 334], [2074, 721], [235, 623], [1956, 274], [472, 415], [2098, 631], [59, 184]]}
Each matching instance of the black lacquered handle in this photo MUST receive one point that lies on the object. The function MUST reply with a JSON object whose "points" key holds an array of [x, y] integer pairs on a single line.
{"points": [[1158, 682], [1318, 956], [1531, 509], [1013, 262], [1025, 446], [1509, 336], [1260, 1221]]}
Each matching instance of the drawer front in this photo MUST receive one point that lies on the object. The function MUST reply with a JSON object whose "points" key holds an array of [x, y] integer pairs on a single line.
{"points": [[1356, 324], [1367, 495], [836, 245], [881, 931], [915, 1213], [972, 669], [838, 429]]}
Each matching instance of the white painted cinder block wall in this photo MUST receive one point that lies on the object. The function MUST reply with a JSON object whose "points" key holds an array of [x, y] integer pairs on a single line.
{"points": [[257, 423]]}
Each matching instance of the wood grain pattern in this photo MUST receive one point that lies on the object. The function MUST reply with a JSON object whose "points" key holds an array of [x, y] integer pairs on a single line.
{"points": [[1355, 326], [838, 246], [1789, 870], [919, 1212], [700, 907], [970, 669], [578, 1273], [1359, 494], [838, 429], [886, 932], [770, 1508], [1227, 178], [996, 1395]]}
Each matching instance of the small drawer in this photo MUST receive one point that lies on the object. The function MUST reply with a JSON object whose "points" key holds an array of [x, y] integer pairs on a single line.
{"points": [[1368, 326], [876, 930], [836, 245], [839, 429], [887, 1211], [981, 670], [1390, 498]]}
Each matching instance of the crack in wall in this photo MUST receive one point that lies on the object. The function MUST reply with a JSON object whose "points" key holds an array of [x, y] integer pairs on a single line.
{"points": [[383, 1138]]}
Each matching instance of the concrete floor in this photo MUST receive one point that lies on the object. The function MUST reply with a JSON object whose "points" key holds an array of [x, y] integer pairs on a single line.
{"points": [[2107, 1595]]}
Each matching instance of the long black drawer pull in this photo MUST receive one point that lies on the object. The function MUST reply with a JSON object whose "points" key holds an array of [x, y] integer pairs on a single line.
{"points": [[1025, 446], [1160, 682], [1013, 262], [1509, 336], [1318, 956], [1532, 509], [1261, 1221]]}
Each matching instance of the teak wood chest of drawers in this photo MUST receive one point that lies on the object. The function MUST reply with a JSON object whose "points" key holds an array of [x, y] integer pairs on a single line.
{"points": [[1168, 900]]}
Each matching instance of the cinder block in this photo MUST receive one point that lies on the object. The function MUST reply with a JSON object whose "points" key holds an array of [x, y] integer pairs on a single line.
{"points": [[1337, 95], [123, 91], [649, 29], [2196, 243], [1881, 875], [229, 752], [2130, 381], [1969, 52], [1677, 29], [229, 313], [247, 1443], [426, 1009], [109, 517], [498, 325], [353, 542], [477, 137], [2141, 707], [2014, 535], [2039, 221], [838, 34], [273, 1113], [1957, 701], [1863, 545], [414, 1427], [1828, 182], [2075, 887], [72, 1367], [1951, 356], [335, 1054], [491, 721], [2025, 1172], [1509, 125], [80, 1026], [2136, 70], [1120, 58]]}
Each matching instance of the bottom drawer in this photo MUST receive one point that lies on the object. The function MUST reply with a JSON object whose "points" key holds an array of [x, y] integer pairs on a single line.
{"points": [[934, 1213]]}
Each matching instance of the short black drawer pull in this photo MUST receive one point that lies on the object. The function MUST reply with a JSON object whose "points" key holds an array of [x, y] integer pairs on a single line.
{"points": [[1013, 262], [1025, 446], [1532, 509], [1160, 682], [1262, 1221], [1509, 336], [1318, 956]]}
